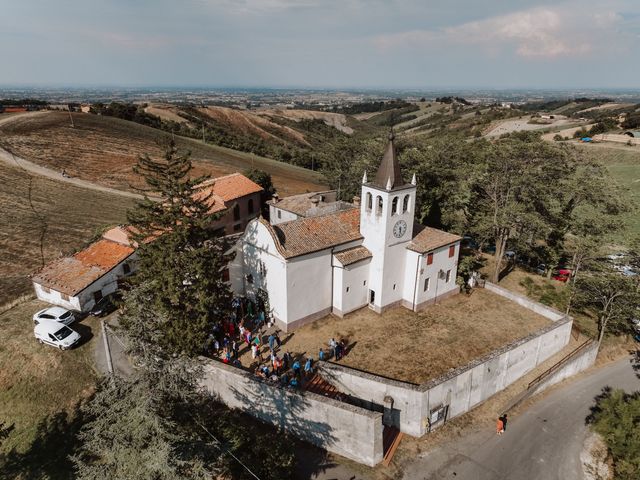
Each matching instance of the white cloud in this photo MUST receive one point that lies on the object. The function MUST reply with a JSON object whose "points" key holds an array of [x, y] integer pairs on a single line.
{"points": [[548, 32]]}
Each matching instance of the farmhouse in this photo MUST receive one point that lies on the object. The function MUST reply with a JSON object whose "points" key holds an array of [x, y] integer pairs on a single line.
{"points": [[79, 281], [237, 196], [349, 256]]}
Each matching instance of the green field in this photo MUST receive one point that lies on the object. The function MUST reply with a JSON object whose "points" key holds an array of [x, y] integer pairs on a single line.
{"points": [[624, 165], [40, 387]]}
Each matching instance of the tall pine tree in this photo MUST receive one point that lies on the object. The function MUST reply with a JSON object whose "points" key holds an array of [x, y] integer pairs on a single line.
{"points": [[180, 254]]}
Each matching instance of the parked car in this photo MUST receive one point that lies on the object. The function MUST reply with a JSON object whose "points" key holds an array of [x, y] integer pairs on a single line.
{"points": [[56, 334], [541, 269], [56, 314], [104, 306], [616, 256], [562, 275]]}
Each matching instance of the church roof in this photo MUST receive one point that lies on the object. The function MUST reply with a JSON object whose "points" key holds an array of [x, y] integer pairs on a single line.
{"points": [[353, 255], [428, 239], [308, 235], [389, 170]]}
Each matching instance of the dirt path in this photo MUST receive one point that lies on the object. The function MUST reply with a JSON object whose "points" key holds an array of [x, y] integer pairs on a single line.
{"points": [[15, 161]]}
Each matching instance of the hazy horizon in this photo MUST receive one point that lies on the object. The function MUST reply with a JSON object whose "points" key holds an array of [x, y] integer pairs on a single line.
{"points": [[321, 44]]}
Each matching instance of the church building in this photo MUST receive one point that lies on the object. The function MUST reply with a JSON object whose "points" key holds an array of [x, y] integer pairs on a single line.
{"points": [[367, 254]]}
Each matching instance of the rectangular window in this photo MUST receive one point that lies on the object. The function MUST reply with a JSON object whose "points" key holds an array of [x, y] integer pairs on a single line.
{"points": [[429, 258], [64, 297], [394, 286], [225, 275], [97, 296], [452, 250], [448, 275], [426, 284], [126, 268], [347, 289], [279, 213], [364, 283]]}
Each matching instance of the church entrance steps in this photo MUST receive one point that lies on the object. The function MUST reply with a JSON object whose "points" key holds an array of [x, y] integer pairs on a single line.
{"points": [[320, 386], [391, 438]]}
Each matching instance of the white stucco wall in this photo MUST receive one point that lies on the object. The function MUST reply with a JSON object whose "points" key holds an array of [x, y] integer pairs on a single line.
{"points": [[437, 286], [355, 278], [257, 256], [279, 215], [308, 285]]}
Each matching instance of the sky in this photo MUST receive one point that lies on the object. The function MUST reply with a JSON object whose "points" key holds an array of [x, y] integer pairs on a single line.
{"points": [[321, 43]]}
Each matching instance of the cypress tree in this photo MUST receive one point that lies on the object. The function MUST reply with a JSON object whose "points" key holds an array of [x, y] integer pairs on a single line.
{"points": [[180, 254]]}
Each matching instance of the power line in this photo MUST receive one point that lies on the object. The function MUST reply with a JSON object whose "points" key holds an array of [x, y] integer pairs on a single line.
{"points": [[224, 449]]}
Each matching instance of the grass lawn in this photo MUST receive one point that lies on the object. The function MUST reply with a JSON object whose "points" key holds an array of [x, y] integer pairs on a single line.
{"points": [[39, 381], [72, 214], [623, 163], [416, 347]]}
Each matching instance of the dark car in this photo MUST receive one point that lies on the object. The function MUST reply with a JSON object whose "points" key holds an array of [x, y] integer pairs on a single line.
{"points": [[104, 306]]}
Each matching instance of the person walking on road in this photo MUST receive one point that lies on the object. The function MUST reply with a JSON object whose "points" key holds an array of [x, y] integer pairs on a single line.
{"points": [[504, 422], [500, 426]]}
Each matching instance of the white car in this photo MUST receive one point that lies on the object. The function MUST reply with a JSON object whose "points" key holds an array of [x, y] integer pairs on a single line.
{"points": [[56, 334], [57, 314]]}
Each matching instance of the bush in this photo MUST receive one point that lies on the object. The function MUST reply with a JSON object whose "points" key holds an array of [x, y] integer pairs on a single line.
{"points": [[557, 137], [616, 417]]}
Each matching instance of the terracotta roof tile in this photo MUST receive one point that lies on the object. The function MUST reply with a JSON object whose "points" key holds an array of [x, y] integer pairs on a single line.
{"points": [[428, 239], [353, 255], [231, 187], [312, 234], [71, 275], [302, 203]]}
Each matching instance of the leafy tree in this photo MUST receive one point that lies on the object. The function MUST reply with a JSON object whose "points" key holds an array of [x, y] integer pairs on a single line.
{"points": [[185, 259], [263, 179], [616, 417], [516, 193], [610, 296]]}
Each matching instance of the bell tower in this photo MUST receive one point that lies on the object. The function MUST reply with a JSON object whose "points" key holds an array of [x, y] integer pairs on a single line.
{"points": [[387, 210]]}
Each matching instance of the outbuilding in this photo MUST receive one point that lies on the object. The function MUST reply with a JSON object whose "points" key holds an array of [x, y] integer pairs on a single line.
{"points": [[79, 281]]}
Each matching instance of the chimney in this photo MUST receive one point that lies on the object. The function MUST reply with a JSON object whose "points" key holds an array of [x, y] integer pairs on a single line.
{"points": [[356, 201], [276, 198]]}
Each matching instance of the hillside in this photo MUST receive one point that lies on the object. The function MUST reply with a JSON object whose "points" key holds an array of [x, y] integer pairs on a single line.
{"points": [[104, 149], [72, 216]]}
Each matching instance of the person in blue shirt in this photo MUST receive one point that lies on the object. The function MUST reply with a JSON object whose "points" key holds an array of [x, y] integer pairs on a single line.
{"points": [[321, 354], [308, 368]]}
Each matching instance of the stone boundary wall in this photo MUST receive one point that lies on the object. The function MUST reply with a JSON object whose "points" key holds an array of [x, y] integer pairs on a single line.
{"points": [[547, 312], [409, 406], [579, 363], [350, 431]]}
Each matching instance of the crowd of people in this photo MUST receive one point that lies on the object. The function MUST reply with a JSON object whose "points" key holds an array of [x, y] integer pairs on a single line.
{"points": [[248, 328]]}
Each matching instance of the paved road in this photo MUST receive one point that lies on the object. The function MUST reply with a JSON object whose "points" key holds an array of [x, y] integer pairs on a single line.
{"points": [[13, 160], [543, 443]]}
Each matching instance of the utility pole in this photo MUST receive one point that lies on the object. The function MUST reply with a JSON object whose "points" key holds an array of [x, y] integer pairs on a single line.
{"points": [[203, 140], [70, 117]]}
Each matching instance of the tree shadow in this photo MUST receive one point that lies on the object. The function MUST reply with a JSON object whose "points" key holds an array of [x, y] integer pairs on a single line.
{"points": [[595, 408], [48, 455], [635, 361], [287, 410]]}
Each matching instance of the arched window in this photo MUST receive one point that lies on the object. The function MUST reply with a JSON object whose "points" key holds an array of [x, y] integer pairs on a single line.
{"points": [[236, 212], [405, 204], [378, 205], [369, 203], [394, 206], [250, 205]]}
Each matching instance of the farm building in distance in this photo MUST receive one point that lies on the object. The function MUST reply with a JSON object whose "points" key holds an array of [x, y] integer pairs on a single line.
{"points": [[79, 281]]}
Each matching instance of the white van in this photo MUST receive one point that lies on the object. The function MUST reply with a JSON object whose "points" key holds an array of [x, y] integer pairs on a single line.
{"points": [[56, 334]]}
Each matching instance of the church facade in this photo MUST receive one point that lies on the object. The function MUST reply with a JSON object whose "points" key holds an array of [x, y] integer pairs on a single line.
{"points": [[370, 254]]}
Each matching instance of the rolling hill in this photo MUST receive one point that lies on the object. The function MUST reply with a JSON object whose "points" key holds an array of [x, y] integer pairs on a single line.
{"points": [[103, 150]]}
